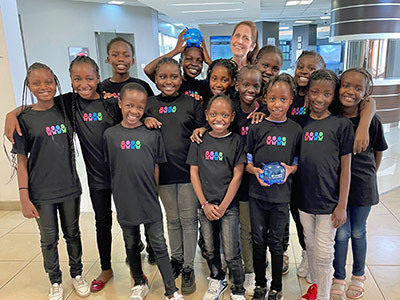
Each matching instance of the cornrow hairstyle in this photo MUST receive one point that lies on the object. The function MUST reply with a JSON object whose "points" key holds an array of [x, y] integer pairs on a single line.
{"points": [[224, 97], [120, 39], [75, 96], [132, 86], [269, 49], [369, 83], [227, 63], [251, 56], [283, 77], [186, 48], [167, 60], [327, 75], [248, 68], [314, 54]]}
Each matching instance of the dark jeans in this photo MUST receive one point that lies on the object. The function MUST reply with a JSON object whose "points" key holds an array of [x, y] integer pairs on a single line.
{"points": [[354, 228], [156, 235], [296, 217], [48, 226], [228, 229], [268, 223]]}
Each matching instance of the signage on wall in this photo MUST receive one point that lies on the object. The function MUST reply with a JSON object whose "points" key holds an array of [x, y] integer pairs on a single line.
{"points": [[271, 41]]}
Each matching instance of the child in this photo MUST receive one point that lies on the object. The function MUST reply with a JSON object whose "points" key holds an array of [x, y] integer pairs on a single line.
{"points": [[133, 153], [324, 179], [269, 61], [47, 189], [355, 87], [120, 56], [177, 115], [276, 139], [216, 169], [192, 64]]}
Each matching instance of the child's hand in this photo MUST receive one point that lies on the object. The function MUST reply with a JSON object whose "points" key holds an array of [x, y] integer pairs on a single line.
{"points": [[181, 43], [361, 140], [256, 117], [107, 95], [11, 125], [29, 210], [211, 212], [152, 123], [339, 217], [289, 170], [221, 209], [259, 171], [197, 135]]}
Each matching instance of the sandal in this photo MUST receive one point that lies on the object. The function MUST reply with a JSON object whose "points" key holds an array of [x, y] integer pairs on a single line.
{"points": [[356, 287], [337, 289]]}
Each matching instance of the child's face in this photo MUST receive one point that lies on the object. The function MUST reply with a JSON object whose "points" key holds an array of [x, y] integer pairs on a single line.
{"points": [[85, 80], [132, 104], [269, 65], [42, 85], [304, 69], [320, 95], [352, 89], [219, 116], [168, 79], [241, 41], [120, 57], [249, 86], [192, 62], [279, 98], [220, 80]]}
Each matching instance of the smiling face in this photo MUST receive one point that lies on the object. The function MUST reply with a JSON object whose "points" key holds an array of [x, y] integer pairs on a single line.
{"points": [[279, 98], [219, 116], [242, 41], [192, 62], [120, 57], [269, 65], [168, 79], [352, 89], [85, 80], [132, 104], [320, 95], [249, 85], [220, 80], [305, 66], [42, 85]]}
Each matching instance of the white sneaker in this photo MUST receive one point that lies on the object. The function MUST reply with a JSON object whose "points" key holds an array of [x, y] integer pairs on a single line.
{"points": [[56, 292], [302, 270], [81, 286], [237, 297], [308, 278], [269, 279], [249, 283], [139, 292], [175, 296], [215, 289]]}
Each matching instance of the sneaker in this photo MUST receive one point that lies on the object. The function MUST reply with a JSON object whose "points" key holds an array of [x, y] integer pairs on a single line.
{"points": [[175, 296], [237, 297], [312, 293], [274, 295], [215, 289], [308, 278], [176, 267], [285, 266], [139, 292], [249, 283], [188, 282], [56, 292], [259, 293], [81, 286], [302, 270]]}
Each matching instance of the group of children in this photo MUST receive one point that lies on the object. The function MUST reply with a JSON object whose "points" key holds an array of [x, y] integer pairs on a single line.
{"points": [[200, 146]]}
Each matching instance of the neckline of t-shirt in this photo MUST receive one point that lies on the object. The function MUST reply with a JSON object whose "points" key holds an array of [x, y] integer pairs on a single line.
{"points": [[331, 115], [125, 128], [277, 122], [221, 137], [88, 100], [46, 110], [168, 98], [122, 82]]}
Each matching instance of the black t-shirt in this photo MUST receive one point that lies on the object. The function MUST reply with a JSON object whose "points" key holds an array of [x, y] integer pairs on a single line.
{"points": [[363, 187], [298, 112], [131, 155], [179, 115], [273, 142], [45, 141], [323, 143], [216, 159], [115, 87], [92, 119], [191, 86]]}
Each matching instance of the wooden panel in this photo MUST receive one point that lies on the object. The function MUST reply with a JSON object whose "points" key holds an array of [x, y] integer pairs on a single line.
{"points": [[389, 116], [387, 102], [386, 89]]}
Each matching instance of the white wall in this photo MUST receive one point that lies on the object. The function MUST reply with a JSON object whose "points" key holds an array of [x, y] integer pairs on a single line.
{"points": [[51, 26]]}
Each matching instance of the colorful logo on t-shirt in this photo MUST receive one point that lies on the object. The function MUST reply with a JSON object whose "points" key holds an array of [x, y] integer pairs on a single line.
{"points": [[313, 136], [276, 140], [167, 110], [128, 145], [214, 155], [244, 130], [56, 129], [298, 111], [89, 117]]}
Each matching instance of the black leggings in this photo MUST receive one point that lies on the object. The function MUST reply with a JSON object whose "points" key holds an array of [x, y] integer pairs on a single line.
{"points": [[296, 217]]}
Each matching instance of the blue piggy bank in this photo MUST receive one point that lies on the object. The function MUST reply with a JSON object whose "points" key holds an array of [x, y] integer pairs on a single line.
{"points": [[195, 37]]}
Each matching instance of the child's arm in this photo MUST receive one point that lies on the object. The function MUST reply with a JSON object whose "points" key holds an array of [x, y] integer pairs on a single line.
{"points": [[152, 123], [156, 173], [150, 68], [250, 168], [232, 189], [207, 58], [197, 135], [367, 112], [378, 159], [28, 209], [339, 214], [11, 123], [289, 170], [210, 210]]}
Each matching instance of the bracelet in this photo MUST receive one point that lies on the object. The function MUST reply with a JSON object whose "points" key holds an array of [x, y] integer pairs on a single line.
{"points": [[204, 204], [23, 188]]}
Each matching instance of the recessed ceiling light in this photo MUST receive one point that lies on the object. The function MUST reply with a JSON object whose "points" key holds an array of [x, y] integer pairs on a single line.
{"points": [[178, 24], [206, 3], [325, 17], [284, 28], [303, 22], [209, 10], [290, 3], [305, 2], [116, 2]]}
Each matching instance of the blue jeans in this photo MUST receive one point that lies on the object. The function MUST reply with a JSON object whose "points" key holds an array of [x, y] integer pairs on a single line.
{"points": [[228, 229], [355, 227]]}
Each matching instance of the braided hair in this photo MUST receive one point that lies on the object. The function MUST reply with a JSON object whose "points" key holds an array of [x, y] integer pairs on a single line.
{"points": [[269, 49], [314, 54], [283, 77], [167, 60], [227, 63], [327, 75]]}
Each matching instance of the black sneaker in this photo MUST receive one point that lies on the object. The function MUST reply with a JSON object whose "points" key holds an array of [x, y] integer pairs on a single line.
{"points": [[151, 257], [274, 295], [188, 282], [259, 293], [176, 267]]}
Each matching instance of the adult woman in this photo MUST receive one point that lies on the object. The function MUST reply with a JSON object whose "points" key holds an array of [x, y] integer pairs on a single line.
{"points": [[244, 43]]}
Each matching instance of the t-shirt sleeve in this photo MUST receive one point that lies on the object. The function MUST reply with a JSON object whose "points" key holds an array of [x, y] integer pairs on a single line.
{"points": [[21, 144], [105, 148], [147, 111], [298, 142], [240, 157], [192, 157], [199, 117], [346, 137], [161, 157], [378, 141], [148, 89], [250, 140]]}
